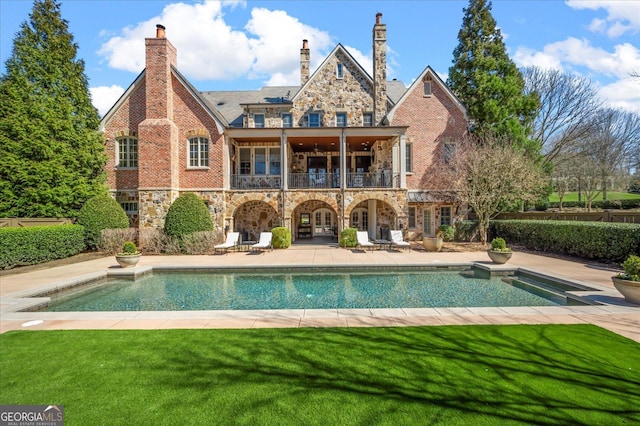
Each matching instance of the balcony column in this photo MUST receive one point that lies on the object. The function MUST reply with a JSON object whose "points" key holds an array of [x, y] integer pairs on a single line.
{"points": [[284, 165], [343, 161], [403, 161]]}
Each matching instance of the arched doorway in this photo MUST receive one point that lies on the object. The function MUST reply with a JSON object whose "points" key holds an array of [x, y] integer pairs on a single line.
{"points": [[324, 223], [314, 221]]}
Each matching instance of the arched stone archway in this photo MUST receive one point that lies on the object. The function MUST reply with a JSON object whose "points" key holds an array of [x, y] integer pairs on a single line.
{"points": [[314, 218], [374, 212], [253, 217]]}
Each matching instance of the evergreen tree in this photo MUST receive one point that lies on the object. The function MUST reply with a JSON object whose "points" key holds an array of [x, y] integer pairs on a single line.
{"points": [[487, 82], [52, 155]]}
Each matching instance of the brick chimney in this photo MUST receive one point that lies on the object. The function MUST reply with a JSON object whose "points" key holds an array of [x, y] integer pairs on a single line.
{"points": [[158, 147], [160, 56], [379, 70], [305, 56]]}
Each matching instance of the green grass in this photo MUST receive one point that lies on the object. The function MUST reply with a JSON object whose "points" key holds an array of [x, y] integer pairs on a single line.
{"points": [[467, 375], [573, 196]]}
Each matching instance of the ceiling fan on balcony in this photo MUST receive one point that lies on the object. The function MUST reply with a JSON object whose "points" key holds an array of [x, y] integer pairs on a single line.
{"points": [[317, 150]]}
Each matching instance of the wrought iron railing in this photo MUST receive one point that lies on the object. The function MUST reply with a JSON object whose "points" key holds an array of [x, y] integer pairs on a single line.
{"points": [[255, 182]]}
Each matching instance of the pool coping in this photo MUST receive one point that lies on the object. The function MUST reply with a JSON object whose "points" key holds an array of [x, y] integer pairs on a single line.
{"points": [[615, 314]]}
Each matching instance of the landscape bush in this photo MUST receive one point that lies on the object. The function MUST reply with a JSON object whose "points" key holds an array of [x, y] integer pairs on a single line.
{"points": [[187, 214], [155, 241], [98, 213], [281, 237], [632, 203], [466, 230], [602, 241], [200, 242], [349, 237], [446, 232], [111, 240], [37, 244]]}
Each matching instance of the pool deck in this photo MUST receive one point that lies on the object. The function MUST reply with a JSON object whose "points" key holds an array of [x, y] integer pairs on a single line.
{"points": [[614, 314]]}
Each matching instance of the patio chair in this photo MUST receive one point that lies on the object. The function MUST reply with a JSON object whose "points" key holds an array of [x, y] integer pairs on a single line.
{"points": [[363, 240], [264, 243], [398, 241], [232, 241]]}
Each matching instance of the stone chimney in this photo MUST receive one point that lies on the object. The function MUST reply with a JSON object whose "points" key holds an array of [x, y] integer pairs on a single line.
{"points": [[305, 56], [379, 70], [159, 57]]}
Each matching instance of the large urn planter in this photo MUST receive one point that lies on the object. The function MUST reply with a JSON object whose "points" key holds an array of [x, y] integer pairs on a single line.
{"points": [[130, 256], [128, 260], [432, 243], [629, 289], [499, 257]]}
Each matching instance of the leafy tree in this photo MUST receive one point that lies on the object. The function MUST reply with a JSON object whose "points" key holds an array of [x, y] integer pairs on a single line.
{"points": [[491, 175], [52, 156], [488, 82]]}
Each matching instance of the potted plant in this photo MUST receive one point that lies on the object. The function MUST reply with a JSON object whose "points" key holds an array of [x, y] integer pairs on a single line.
{"points": [[499, 252], [629, 283], [129, 256], [433, 243]]}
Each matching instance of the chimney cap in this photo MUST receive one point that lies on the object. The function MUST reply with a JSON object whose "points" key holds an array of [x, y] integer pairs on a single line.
{"points": [[305, 44], [160, 31], [379, 18]]}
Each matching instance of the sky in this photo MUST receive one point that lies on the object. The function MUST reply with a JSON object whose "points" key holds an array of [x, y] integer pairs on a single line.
{"points": [[244, 45]]}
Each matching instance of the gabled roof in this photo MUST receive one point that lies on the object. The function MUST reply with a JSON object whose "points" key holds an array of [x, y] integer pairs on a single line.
{"points": [[220, 120], [229, 103], [418, 81], [334, 52]]}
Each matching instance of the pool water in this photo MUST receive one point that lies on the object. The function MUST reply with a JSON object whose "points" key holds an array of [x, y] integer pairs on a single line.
{"points": [[168, 291]]}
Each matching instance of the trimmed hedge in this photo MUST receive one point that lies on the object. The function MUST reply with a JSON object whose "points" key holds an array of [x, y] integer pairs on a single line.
{"points": [[99, 213], [187, 214], [608, 242], [606, 204], [281, 237], [465, 230], [37, 244]]}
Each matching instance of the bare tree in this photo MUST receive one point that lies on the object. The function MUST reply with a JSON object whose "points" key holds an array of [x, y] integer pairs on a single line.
{"points": [[587, 173], [612, 142], [490, 174], [567, 103]]}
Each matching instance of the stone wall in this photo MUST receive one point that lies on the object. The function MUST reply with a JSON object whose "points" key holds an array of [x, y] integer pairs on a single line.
{"points": [[254, 217]]}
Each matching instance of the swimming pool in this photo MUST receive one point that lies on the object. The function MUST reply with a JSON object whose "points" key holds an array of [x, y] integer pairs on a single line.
{"points": [[304, 289]]}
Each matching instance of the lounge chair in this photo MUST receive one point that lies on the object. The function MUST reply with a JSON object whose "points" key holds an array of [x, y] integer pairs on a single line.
{"points": [[264, 243], [363, 240], [398, 241], [231, 242]]}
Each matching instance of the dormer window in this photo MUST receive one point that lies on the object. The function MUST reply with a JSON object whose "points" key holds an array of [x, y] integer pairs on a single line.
{"points": [[258, 121], [287, 120], [367, 119], [341, 119], [313, 119], [339, 70]]}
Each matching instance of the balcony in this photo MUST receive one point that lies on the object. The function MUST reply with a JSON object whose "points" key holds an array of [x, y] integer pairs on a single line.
{"points": [[313, 180], [255, 182], [382, 179]]}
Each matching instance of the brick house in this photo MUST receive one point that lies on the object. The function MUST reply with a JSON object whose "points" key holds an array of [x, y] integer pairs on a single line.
{"points": [[342, 149]]}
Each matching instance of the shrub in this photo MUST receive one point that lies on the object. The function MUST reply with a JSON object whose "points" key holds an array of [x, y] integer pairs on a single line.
{"points": [[499, 244], [129, 247], [466, 230], [608, 242], [201, 242], [37, 244], [631, 268], [281, 237], [187, 214], [111, 240], [155, 241], [446, 232], [349, 237], [98, 213]]}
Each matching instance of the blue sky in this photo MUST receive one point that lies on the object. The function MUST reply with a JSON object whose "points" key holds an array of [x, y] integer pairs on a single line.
{"points": [[243, 45]]}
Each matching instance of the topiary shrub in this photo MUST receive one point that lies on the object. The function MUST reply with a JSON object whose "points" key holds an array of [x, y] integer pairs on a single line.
{"points": [[187, 214], [37, 244], [281, 237], [446, 232], [349, 237], [98, 213], [129, 247]]}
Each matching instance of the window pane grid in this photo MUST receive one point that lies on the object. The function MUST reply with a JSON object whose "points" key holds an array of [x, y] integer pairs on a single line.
{"points": [[199, 152], [127, 152]]}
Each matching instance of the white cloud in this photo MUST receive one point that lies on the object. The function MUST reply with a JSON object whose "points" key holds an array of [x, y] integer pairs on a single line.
{"points": [[574, 52], [622, 15], [623, 94], [210, 49], [104, 97]]}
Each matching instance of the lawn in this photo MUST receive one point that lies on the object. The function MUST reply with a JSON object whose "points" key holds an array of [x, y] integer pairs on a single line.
{"points": [[479, 375], [573, 196]]}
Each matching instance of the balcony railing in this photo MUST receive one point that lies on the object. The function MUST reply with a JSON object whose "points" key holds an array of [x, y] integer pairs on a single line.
{"points": [[255, 182], [382, 179]]}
